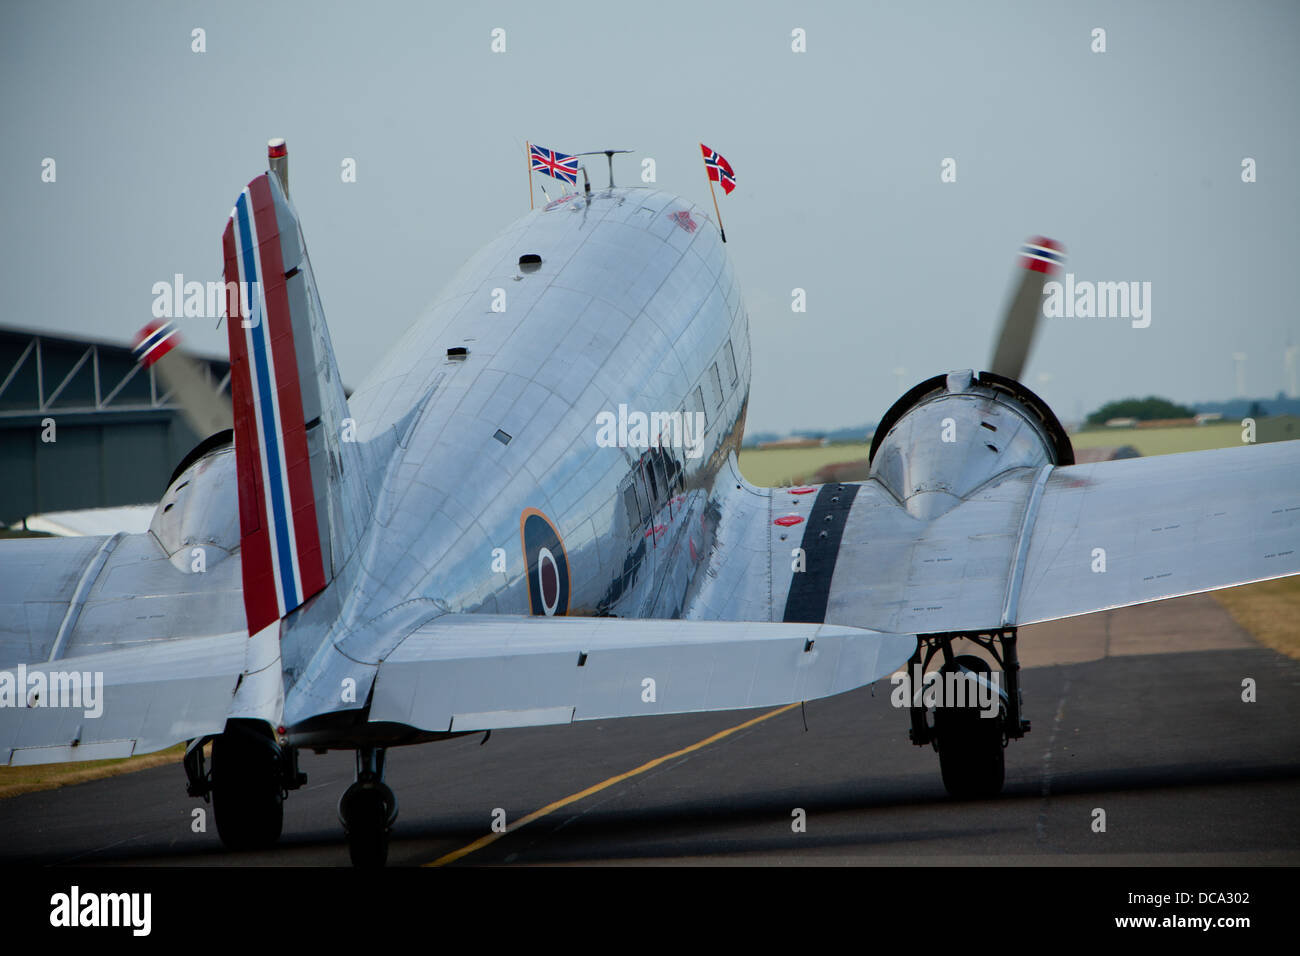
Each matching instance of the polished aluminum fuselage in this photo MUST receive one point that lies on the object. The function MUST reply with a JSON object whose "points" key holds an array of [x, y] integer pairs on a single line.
{"points": [[634, 304]]}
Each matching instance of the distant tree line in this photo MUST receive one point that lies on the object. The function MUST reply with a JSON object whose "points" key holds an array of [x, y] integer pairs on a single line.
{"points": [[1143, 409], [853, 434], [1254, 407]]}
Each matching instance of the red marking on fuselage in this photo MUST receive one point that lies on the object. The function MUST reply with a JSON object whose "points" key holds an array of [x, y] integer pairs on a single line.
{"points": [[683, 219]]}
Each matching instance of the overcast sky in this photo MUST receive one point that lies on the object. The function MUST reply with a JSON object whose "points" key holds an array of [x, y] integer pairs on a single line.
{"points": [[1131, 158]]}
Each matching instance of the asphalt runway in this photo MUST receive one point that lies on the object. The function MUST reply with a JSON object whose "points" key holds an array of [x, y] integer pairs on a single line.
{"points": [[1135, 712]]}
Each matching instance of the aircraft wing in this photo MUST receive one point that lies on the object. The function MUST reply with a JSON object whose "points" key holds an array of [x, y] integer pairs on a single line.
{"points": [[124, 624], [120, 703], [110, 647], [464, 672], [1168, 527], [1033, 544]]}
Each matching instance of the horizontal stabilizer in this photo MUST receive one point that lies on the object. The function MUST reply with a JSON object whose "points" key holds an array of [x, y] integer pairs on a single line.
{"points": [[477, 672], [119, 703]]}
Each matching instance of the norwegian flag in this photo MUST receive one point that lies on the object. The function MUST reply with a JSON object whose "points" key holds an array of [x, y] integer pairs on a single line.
{"points": [[719, 169], [559, 165]]}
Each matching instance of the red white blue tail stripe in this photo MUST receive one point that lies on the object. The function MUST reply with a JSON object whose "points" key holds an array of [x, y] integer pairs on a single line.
{"points": [[280, 540]]}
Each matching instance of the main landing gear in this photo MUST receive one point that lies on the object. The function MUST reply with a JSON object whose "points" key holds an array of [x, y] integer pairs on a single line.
{"points": [[969, 736], [247, 783], [251, 774], [367, 810]]}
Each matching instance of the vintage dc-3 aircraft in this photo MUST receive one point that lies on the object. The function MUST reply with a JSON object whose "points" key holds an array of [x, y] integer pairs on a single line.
{"points": [[530, 513]]}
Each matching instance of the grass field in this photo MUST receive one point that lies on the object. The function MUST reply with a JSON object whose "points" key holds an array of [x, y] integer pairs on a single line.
{"points": [[1269, 610], [774, 467], [1162, 441]]}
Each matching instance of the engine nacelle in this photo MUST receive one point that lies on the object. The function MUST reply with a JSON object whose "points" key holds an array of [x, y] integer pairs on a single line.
{"points": [[954, 433], [200, 508]]}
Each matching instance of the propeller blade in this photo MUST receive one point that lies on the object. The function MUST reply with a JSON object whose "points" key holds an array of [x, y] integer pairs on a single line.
{"points": [[205, 409], [1040, 259]]}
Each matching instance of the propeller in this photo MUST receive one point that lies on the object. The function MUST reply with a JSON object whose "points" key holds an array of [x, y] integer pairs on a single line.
{"points": [[1040, 259], [206, 410]]}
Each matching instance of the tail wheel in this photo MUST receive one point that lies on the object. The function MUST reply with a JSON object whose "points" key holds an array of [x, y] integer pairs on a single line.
{"points": [[367, 811], [971, 755], [247, 796]]}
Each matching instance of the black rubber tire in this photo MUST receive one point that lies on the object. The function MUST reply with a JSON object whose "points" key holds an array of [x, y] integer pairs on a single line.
{"points": [[971, 756], [367, 812], [247, 798]]}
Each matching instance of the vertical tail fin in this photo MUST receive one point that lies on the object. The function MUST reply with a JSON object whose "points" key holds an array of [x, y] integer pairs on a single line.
{"points": [[302, 500]]}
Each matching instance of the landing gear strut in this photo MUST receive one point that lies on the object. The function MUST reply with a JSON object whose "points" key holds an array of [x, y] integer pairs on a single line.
{"points": [[970, 745], [367, 810]]}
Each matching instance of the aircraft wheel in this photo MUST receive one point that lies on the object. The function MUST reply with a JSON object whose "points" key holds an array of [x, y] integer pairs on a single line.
{"points": [[971, 756], [367, 810], [247, 798]]}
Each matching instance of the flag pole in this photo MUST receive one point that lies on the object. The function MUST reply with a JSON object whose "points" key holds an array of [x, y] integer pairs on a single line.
{"points": [[715, 203], [528, 161]]}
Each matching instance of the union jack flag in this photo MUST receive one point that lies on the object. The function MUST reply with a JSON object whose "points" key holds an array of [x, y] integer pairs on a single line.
{"points": [[718, 168], [559, 165]]}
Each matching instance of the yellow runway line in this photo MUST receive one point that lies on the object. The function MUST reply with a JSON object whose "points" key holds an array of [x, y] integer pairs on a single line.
{"points": [[483, 841]]}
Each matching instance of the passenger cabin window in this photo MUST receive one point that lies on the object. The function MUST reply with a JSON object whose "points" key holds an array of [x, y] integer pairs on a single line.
{"points": [[633, 511], [698, 405], [672, 470], [729, 354], [651, 483], [657, 463], [717, 385]]}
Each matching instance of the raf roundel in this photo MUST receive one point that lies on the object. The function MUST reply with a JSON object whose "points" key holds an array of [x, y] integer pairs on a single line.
{"points": [[546, 563]]}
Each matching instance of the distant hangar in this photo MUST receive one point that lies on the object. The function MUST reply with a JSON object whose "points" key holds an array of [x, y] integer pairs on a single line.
{"points": [[82, 425]]}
